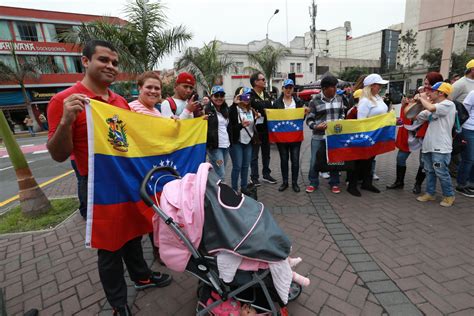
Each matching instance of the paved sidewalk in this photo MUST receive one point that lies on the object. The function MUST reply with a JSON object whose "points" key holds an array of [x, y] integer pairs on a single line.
{"points": [[380, 254]]}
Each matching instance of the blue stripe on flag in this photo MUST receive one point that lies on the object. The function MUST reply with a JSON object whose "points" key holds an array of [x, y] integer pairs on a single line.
{"points": [[362, 139], [285, 126]]}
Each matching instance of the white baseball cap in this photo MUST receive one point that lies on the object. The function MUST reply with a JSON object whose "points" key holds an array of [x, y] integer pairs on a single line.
{"points": [[374, 78]]}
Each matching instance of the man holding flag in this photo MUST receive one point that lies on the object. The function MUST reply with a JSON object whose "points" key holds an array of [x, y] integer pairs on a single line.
{"points": [[68, 135]]}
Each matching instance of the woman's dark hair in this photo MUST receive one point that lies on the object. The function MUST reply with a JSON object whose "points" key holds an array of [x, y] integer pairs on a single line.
{"points": [[359, 84], [434, 77], [89, 47], [237, 91], [148, 75]]}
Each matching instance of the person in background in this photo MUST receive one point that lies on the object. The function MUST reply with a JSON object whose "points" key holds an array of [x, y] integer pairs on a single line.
{"points": [[261, 100], [44, 121], [68, 135], [149, 94], [28, 121], [463, 86], [183, 103], [218, 140], [465, 177], [438, 141], [205, 100], [242, 120], [370, 104], [454, 78], [326, 106], [289, 151]]}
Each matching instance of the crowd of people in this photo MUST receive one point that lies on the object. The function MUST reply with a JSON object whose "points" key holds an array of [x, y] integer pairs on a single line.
{"points": [[239, 130]]}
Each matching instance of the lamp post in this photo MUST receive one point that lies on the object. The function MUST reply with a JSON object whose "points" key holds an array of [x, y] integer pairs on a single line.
{"points": [[274, 13]]}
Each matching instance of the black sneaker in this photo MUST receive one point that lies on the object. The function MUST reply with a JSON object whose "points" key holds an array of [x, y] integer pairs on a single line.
{"points": [[121, 311], [269, 179], [157, 279], [465, 192], [255, 182]]}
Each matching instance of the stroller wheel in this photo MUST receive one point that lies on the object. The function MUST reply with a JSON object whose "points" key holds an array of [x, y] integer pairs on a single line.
{"points": [[295, 291]]}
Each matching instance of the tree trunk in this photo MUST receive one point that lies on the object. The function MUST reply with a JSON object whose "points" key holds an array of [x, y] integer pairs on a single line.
{"points": [[33, 201]]}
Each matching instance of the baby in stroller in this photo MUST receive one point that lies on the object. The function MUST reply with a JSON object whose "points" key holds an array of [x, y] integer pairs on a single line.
{"points": [[229, 241]]}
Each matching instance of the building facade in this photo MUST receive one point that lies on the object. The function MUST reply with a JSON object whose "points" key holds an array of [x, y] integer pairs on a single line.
{"points": [[33, 36]]}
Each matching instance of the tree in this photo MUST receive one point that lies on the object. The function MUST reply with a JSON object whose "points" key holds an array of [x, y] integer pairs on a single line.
{"points": [[206, 64], [33, 201], [351, 74], [407, 47], [267, 60], [18, 73], [458, 63], [433, 58], [142, 42]]}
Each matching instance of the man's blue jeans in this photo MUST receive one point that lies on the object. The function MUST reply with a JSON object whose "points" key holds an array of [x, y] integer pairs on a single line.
{"points": [[436, 166], [313, 175], [241, 155], [218, 159], [466, 166]]}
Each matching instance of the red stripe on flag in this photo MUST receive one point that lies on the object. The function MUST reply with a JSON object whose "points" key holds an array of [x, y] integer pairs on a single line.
{"points": [[355, 153], [115, 224], [285, 137]]}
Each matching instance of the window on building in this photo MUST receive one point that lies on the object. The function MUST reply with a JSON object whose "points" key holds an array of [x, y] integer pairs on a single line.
{"points": [[8, 60], [298, 67], [419, 82], [292, 67], [73, 64], [58, 64], [5, 33], [327, 42], [322, 70], [28, 31], [239, 67], [311, 67], [50, 33]]}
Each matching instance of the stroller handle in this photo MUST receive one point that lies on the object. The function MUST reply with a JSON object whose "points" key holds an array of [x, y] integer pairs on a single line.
{"points": [[143, 194]]}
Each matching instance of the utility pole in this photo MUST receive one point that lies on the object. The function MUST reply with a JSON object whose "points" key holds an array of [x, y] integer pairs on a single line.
{"points": [[312, 13]]}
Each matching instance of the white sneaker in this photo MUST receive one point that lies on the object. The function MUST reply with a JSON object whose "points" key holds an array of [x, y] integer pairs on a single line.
{"points": [[375, 177], [324, 175]]}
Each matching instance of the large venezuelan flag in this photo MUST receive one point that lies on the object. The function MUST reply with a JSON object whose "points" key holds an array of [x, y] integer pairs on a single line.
{"points": [[285, 125], [123, 147], [360, 139]]}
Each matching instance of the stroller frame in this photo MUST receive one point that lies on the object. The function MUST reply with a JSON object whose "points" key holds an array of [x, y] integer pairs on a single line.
{"points": [[201, 262]]}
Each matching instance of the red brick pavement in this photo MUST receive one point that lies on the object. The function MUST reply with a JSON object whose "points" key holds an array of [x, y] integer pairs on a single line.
{"points": [[424, 248]]}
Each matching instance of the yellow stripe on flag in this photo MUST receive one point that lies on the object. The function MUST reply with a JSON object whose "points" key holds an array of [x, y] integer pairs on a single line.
{"points": [[145, 135], [362, 125], [284, 114]]}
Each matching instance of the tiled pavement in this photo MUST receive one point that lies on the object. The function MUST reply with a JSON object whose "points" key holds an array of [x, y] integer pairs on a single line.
{"points": [[380, 254]]}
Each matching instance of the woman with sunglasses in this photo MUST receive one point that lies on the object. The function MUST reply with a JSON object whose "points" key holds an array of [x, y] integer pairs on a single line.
{"points": [[242, 130], [289, 150], [218, 141]]}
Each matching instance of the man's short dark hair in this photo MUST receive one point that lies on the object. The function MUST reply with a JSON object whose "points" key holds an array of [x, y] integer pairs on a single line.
{"points": [[328, 81], [254, 78], [89, 47]]}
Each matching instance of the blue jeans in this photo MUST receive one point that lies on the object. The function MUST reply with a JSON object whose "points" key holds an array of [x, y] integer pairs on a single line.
{"points": [[436, 166], [402, 157], [241, 154], [218, 159], [466, 166], [313, 176], [30, 129]]}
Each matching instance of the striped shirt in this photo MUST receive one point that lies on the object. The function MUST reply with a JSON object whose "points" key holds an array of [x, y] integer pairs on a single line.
{"points": [[136, 106], [322, 110]]}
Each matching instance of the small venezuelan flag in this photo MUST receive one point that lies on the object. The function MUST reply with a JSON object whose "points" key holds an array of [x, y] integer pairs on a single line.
{"points": [[285, 125], [123, 147], [360, 139]]}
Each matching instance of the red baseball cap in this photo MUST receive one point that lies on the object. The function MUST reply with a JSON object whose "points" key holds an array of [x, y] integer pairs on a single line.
{"points": [[186, 77]]}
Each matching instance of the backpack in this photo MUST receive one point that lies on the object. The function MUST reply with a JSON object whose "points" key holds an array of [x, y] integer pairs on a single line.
{"points": [[461, 112], [459, 143], [173, 106]]}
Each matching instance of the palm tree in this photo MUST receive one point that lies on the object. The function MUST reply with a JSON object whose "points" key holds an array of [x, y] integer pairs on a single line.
{"points": [[267, 60], [142, 42], [33, 201], [19, 73], [207, 64]]}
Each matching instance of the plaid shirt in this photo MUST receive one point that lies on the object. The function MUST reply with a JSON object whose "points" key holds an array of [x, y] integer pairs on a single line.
{"points": [[322, 110]]}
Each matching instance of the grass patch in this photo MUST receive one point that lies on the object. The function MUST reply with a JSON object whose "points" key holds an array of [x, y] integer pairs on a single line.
{"points": [[14, 221]]}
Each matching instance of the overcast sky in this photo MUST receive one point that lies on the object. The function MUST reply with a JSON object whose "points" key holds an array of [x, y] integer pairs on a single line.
{"points": [[246, 20]]}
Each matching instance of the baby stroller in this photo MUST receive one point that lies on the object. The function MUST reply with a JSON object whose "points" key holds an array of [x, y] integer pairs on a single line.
{"points": [[195, 230]]}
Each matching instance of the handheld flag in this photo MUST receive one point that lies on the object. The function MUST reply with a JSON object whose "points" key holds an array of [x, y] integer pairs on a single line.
{"points": [[123, 147], [285, 125], [360, 139]]}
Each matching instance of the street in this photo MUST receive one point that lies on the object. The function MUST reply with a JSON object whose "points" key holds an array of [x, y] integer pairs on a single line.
{"points": [[39, 160]]}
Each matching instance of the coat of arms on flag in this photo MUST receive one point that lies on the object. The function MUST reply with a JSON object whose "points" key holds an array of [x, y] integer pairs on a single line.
{"points": [[360, 139], [123, 147], [285, 125]]}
